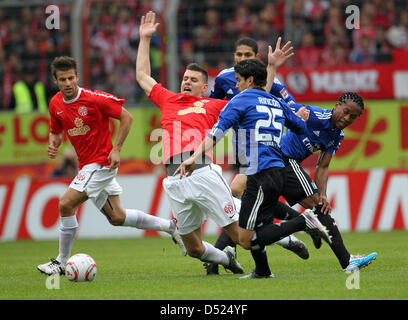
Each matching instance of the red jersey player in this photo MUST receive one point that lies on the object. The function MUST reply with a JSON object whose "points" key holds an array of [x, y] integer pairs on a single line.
{"points": [[84, 116], [186, 117]]}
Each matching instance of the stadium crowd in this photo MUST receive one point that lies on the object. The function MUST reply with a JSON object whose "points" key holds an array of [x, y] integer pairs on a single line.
{"points": [[317, 29], [207, 31]]}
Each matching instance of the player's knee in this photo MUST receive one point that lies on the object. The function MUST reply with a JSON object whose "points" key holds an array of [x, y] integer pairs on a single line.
{"points": [[116, 220], [65, 207], [245, 243], [115, 217], [194, 252]]}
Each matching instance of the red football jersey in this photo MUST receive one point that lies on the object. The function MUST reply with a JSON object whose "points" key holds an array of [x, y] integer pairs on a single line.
{"points": [[85, 120], [185, 119]]}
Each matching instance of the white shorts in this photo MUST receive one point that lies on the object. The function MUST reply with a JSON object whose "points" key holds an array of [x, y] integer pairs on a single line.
{"points": [[203, 193], [97, 182]]}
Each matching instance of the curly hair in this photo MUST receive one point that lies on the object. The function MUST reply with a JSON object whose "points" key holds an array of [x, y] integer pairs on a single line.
{"points": [[353, 96]]}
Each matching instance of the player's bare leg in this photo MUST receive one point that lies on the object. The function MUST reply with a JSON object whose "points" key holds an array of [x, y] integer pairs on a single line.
{"points": [[118, 216]]}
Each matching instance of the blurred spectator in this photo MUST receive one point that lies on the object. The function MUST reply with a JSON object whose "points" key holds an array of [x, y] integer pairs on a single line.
{"points": [[334, 22], [213, 25], [366, 29], [299, 27], [397, 35], [187, 52], [207, 31], [334, 53], [308, 55], [68, 167], [315, 12], [29, 94], [363, 54], [241, 18], [382, 47], [269, 14]]}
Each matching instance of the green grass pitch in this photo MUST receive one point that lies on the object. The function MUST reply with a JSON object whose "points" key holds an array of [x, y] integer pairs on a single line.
{"points": [[153, 269]]}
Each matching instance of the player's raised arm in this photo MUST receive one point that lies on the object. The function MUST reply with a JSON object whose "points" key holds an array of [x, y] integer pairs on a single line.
{"points": [[277, 58], [148, 27]]}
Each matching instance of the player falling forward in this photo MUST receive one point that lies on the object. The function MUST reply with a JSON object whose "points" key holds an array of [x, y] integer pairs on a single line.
{"points": [[84, 116], [184, 117], [262, 116]]}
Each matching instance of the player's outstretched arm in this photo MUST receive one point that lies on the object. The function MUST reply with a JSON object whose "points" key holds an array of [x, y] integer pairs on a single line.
{"points": [[148, 27]]}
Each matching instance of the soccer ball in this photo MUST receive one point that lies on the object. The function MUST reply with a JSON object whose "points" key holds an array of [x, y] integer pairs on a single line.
{"points": [[80, 267]]}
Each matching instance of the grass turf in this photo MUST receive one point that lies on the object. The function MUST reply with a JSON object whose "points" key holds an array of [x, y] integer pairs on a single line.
{"points": [[153, 269]]}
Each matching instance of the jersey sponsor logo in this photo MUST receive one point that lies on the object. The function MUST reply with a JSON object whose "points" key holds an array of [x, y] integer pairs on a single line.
{"points": [[82, 111], [311, 147], [284, 93], [197, 108], [79, 129]]}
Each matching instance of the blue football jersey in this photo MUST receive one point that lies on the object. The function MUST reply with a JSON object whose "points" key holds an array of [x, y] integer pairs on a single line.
{"points": [[319, 136], [261, 118], [224, 87]]}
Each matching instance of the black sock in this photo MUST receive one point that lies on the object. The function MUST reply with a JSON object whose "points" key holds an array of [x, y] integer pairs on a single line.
{"points": [[271, 233], [337, 244], [261, 261], [283, 212], [224, 240]]}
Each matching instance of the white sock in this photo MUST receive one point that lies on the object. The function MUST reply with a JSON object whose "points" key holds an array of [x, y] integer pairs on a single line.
{"points": [[212, 254], [284, 242], [68, 229], [141, 220]]}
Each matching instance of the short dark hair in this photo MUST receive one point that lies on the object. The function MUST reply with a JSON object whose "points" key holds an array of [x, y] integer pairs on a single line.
{"points": [[353, 96], [63, 63], [252, 67], [196, 67], [247, 42]]}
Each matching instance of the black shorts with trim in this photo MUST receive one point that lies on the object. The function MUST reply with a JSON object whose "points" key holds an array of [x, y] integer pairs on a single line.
{"points": [[264, 188], [298, 184], [261, 195]]}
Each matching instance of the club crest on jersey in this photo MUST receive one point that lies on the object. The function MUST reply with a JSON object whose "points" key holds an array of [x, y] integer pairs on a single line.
{"points": [[229, 208], [80, 176], [197, 108], [82, 111], [79, 129]]}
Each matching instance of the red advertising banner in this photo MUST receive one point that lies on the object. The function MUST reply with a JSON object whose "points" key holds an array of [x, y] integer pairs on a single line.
{"points": [[320, 84], [361, 200], [376, 81]]}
